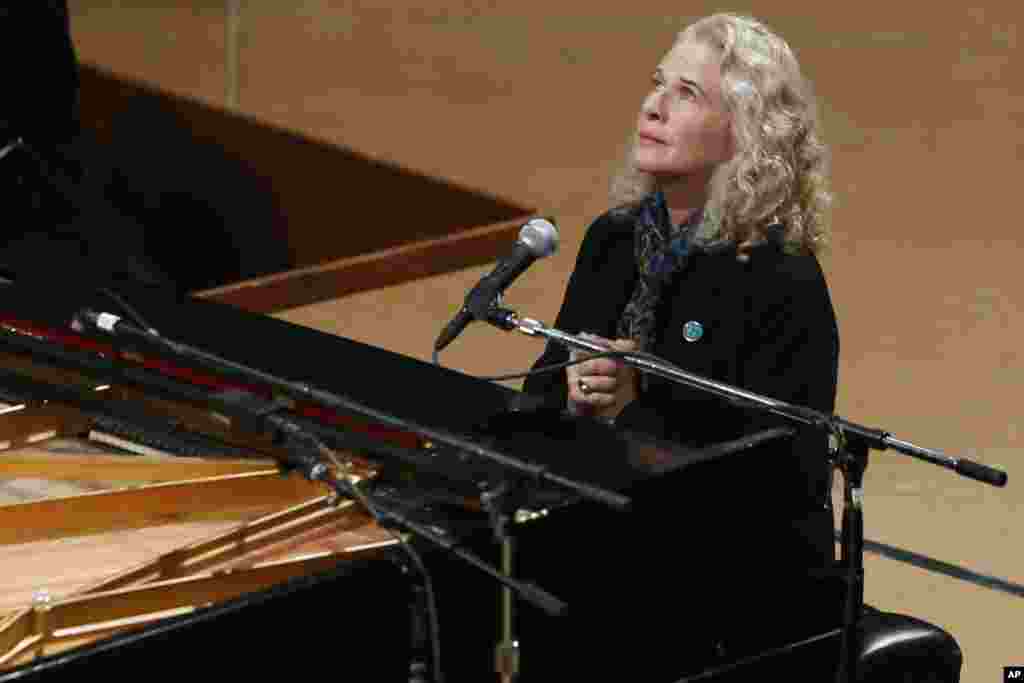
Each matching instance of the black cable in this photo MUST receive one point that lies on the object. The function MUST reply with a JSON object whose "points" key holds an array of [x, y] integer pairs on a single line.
{"points": [[558, 366], [428, 584], [300, 443]]}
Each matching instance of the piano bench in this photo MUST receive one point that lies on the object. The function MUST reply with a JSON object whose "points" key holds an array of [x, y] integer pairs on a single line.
{"points": [[896, 648]]}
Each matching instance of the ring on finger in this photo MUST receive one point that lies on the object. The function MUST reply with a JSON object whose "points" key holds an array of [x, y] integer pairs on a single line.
{"points": [[583, 386]]}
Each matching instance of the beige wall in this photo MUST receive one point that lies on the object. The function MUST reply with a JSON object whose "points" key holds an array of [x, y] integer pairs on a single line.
{"points": [[922, 105]]}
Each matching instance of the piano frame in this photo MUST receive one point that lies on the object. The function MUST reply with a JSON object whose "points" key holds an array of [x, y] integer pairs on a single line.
{"points": [[303, 532]]}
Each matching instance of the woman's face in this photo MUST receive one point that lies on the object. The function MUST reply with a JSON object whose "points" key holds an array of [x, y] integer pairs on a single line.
{"points": [[684, 128]]}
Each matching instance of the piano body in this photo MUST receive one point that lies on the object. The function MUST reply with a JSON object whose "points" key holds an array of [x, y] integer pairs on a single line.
{"points": [[656, 593], [200, 545]]}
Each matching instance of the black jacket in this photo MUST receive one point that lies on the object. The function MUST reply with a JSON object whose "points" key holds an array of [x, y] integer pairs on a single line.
{"points": [[729, 551], [768, 326]]}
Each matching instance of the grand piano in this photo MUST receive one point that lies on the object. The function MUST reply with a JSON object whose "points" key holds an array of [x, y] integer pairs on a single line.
{"points": [[256, 573], [681, 586]]}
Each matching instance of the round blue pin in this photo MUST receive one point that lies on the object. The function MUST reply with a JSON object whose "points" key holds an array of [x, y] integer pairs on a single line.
{"points": [[692, 331]]}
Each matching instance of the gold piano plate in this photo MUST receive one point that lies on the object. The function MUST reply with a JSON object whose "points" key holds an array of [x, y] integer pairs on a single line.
{"points": [[182, 534]]}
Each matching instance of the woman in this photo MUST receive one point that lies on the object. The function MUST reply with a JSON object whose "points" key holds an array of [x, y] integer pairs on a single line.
{"points": [[708, 261]]}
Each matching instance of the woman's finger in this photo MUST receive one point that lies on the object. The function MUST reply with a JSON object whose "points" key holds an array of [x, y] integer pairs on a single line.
{"points": [[598, 383], [623, 344], [598, 366], [585, 386], [596, 399]]}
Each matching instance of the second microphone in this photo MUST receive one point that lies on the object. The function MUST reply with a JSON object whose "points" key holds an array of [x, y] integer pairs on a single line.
{"points": [[537, 239]]}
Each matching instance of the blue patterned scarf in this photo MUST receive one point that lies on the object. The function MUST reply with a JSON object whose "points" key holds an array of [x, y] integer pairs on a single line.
{"points": [[662, 251]]}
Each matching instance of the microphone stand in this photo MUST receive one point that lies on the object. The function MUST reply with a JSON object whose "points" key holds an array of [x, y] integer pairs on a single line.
{"points": [[298, 438], [854, 442], [301, 391], [252, 407], [306, 453], [850, 432]]}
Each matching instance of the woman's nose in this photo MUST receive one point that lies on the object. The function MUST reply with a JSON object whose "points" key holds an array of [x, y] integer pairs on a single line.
{"points": [[651, 108]]}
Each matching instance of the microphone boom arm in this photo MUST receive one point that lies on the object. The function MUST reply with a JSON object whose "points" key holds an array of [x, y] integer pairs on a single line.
{"points": [[850, 431]]}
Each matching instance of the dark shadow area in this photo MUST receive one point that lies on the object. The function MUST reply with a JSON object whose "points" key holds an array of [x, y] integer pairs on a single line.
{"points": [[103, 176]]}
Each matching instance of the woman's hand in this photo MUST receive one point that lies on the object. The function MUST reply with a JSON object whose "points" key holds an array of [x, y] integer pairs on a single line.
{"points": [[601, 387]]}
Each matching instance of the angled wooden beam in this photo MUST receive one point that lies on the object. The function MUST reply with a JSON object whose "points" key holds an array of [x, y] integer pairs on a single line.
{"points": [[375, 270], [224, 497]]}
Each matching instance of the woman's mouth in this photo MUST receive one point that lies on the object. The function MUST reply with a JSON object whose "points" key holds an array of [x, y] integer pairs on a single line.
{"points": [[648, 139]]}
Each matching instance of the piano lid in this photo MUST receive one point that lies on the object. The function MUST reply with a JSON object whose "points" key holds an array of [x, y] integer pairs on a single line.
{"points": [[424, 394], [414, 390]]}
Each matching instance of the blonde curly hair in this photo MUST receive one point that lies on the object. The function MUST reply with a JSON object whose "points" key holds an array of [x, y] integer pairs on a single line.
{"points": [[779, 174]]}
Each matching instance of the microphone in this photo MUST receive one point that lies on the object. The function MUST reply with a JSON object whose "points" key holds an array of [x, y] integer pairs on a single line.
{"points": [[537, 239], [106, 322], [10, 146]]}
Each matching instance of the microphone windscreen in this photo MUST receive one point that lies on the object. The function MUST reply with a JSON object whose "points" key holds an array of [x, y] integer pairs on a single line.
{"points": [[540, 236]]}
